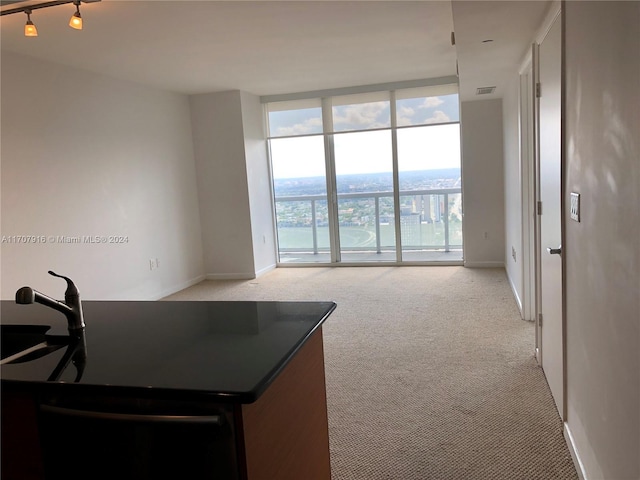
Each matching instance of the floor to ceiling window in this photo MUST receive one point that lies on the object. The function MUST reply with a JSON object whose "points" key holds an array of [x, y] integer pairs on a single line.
{"points": [[368, 177]]}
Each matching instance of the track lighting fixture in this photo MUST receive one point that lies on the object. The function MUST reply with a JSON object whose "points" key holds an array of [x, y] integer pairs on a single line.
{"points": [[30, 29], [76, 18]]}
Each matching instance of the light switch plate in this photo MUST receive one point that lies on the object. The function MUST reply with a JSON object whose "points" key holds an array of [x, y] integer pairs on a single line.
{"points": [[575, 206]]}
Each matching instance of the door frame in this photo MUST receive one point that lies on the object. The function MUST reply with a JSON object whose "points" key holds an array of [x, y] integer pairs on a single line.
{"points": [[536, 197], [527, 186], [530, 174], [555, 14]]}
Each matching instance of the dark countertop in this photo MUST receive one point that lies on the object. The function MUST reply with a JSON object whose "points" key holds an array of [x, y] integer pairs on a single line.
{"points": [[221, 351]]}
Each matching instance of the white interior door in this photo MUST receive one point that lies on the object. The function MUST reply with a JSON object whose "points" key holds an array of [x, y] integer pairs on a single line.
{"points": [[552, 342]]}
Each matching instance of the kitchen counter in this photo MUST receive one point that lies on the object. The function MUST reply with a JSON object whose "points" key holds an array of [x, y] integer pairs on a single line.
{"points": [[227, 351], [248, 377]]}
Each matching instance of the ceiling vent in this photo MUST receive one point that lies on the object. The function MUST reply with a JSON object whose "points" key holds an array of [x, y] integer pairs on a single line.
{"points": [[485, 90]]}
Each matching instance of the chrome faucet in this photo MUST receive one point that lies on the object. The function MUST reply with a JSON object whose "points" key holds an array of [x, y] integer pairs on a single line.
{"points": [[71, 307]]}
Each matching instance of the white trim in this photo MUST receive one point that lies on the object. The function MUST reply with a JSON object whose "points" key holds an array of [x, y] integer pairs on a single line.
{"points": [[515, 294], [483, 264], [264, 270], [527, 189], [549, 19], [526, 61], [230, 276], [574, 452], [535, 77], [178, 287]]}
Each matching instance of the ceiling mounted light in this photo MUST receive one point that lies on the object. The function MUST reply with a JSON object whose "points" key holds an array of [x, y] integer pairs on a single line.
{"points": [[30, 29], [76, 18]]}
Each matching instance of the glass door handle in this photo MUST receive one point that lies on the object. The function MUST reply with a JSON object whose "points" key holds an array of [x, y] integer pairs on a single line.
{"points": [[555, 251]]}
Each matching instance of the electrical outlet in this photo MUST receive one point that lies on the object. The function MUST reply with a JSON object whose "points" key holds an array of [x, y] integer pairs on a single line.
{"points": [[152, 264], [157, 263], [513, 253]]}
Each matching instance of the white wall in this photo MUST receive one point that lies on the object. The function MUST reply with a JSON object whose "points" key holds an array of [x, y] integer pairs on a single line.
{"points": [[223, 194], [602, 252], [233, 184], [483, 195], [259, 184], [512, 186], [86, 155]]}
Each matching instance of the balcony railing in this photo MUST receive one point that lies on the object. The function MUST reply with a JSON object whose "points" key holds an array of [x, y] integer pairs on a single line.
{"points": [[440, 216]]}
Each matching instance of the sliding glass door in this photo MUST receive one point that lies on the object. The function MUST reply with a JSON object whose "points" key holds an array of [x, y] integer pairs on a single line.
{"points": [[363, 157], [364, 184], [429, 175]]}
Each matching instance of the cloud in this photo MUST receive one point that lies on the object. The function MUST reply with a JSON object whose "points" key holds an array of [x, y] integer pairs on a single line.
{"points": [[438, 117], [368, 115], [406, 111], [431, 102], [404, 115], [308, 126], [364, 114]]}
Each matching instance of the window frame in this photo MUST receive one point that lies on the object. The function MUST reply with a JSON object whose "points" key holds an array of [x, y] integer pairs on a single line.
{"points": [[329, 132]]}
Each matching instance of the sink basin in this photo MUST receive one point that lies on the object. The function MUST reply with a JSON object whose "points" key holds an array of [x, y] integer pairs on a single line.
{"points": [[22, 343]]}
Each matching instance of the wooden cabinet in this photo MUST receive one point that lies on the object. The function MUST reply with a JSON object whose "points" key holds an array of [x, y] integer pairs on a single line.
{"points": [[286, 435]]}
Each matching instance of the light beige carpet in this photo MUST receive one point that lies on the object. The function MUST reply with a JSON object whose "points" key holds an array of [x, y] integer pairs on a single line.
{"points": [[430, 372]]}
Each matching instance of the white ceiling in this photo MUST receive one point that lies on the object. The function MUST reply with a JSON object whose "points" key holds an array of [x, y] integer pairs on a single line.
{"points": [[268, 48], [511, 25]]}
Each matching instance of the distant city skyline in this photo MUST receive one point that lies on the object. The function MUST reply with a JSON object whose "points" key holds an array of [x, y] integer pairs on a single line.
{"points": [[370, 182]]}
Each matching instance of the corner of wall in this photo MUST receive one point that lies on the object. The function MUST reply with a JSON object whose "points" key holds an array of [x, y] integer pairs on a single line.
{"points": [[483, 182], [223, 188]]}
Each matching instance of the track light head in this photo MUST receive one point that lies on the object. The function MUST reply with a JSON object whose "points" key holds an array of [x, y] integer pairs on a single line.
{"points": [[76, 19], [30, 29]]}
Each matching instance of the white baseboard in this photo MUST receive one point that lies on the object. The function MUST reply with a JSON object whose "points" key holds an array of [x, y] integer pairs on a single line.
{"points": [[239, 276], [230, 276], [209, 276], [515, 293], [483, 264], [574, 452], [265, 270], [176, 288]]}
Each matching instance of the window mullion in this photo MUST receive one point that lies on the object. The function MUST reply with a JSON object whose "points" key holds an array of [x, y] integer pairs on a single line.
{"points": [[396, 176], [332, 195]]}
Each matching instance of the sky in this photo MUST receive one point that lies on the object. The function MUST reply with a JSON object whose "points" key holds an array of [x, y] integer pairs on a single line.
{"points": [[428, 146]]}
